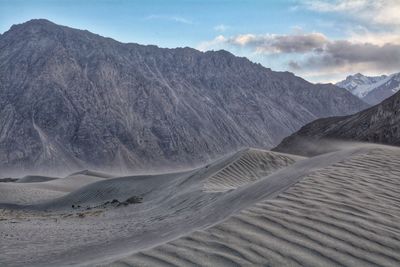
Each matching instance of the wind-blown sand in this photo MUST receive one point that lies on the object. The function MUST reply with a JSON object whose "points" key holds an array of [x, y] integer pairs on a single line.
{"points": [[250, 208]]}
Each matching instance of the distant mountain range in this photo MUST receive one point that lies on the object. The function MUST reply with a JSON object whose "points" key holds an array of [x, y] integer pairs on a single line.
{"points": [[71, 99], [378, 124], [374, 89]]}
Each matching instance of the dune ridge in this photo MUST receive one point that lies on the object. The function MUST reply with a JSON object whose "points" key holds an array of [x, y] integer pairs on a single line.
{"points": [[343, 215], [35, 179], [252, 165]]}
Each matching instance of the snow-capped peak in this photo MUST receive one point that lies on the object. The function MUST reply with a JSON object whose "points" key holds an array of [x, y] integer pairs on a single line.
{"points": [[360, 85], [371, 89]]}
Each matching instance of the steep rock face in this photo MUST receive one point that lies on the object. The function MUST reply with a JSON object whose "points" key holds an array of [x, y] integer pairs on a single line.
{"points": [[372, 90], [71, 99], [378, 124]]}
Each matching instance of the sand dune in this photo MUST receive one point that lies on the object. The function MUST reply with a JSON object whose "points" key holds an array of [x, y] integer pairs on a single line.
{"points": [[252, 165], [35, 179], [35, 189], [71, 182], [347, 214], [99, 192], [93, 173], [15, 193], [250, 208]]}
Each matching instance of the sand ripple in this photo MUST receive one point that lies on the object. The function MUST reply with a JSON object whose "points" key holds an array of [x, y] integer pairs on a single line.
{"points": [[345, 215]]}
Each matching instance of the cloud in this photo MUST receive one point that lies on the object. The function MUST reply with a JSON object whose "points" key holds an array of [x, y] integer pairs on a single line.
{"points": [[336, 6], [373, 37], [169, 18], [221, 28], [362, 35], [217, 43], [370, 42], [298, 43], [271, 43], [307, 53], [354, 56], [378, 12], [294, 65]]}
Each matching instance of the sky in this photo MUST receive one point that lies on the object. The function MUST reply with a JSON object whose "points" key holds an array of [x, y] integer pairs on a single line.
{"points": [[319, 40]]}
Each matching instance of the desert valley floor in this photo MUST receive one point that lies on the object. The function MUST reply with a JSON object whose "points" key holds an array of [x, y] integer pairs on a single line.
{"points": [[250, 208]]}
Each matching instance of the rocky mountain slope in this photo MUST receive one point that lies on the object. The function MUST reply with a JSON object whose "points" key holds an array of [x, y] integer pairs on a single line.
{"points": [[379, 124], [372, 90], [71, 99]]}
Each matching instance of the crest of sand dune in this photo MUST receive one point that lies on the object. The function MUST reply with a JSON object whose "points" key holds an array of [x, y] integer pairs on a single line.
{"points": [[252, 165], [251, 208]]}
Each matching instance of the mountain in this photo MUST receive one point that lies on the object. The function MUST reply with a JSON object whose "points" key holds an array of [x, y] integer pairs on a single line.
{"points": [[360, 85], [372, 90], [71, 99], [378, 124]]}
